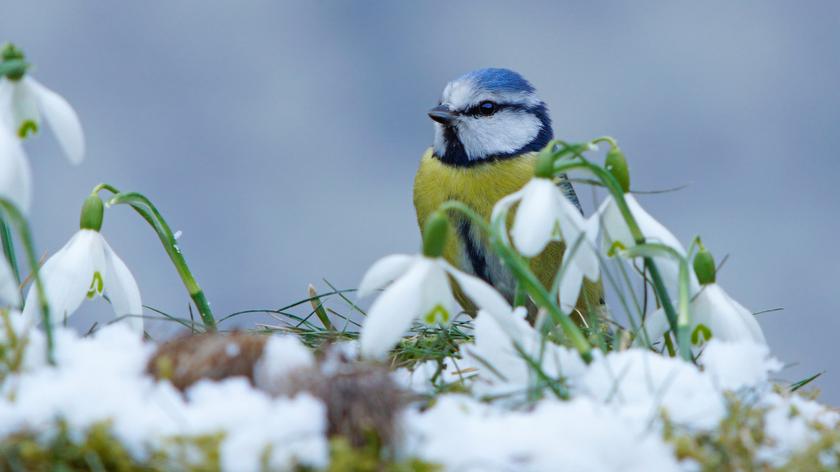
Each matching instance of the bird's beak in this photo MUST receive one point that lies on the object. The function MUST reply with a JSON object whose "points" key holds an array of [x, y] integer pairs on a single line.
{"points": [[442, 114]]}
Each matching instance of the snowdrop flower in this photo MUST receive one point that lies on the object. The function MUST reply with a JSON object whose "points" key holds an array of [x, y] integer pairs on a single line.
{"points": [[87, 266], [615, 227], [23, 100], [545, 214], [418, 286], [713, 308]]}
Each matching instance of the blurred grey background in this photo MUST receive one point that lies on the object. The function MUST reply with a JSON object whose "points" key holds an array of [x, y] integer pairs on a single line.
{"points": [[282, 138]]}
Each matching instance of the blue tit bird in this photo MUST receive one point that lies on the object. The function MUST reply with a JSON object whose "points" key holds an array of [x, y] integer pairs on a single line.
{"points": [[489, 126]]}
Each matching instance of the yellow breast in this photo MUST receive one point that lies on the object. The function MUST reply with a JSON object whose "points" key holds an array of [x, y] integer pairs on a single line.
{"points": [[479, 186]]}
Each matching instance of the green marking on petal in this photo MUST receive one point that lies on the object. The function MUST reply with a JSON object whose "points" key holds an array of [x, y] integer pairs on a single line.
{"points": [[438, 314], [555, 232], [701, 334], [615, 248], [26, 128], [97, 285]]}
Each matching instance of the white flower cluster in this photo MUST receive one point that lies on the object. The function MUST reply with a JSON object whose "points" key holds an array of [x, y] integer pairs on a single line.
{"points": [[416, 286]]}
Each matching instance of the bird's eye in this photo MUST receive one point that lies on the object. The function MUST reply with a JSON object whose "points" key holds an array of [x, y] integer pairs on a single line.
{"points": [[487, 108]]}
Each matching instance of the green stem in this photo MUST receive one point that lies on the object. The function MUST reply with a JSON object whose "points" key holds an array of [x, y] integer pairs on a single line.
{"points": [[520, 270], [144, 207], [684, 319], [520, 296], [29, 249], [104, 186], [9, 248], [606, 139]]}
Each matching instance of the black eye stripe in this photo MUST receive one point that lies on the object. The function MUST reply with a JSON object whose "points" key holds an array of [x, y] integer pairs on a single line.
{"points": [[475, 110]]}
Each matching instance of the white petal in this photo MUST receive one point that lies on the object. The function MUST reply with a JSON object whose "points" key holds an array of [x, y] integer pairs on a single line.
{"points": [[615, 229], [6, 90], [391, 314], [749, 320], [728, 320], [494, 346], [570, 286], [24, 104], [437, 293], [504, 204], [67, 276], [715, 309], [9, 293], [15, 175], [653, 230], [536, 216], [121, 289], [583, 253], [62, 119], [572, 222], [383, 272]]}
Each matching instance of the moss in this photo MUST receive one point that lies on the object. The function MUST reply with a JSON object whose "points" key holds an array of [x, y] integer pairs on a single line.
{"points": [[822, 454], [345, 458], [100, 450], [190, 453], [732, 446]]}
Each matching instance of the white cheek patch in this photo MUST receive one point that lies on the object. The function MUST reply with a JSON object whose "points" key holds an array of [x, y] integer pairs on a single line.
{"points": [[440, 141], [502, 133]]}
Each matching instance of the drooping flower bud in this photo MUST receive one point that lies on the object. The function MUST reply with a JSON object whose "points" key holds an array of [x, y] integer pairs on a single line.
{"points": [[434, 234], [92, 212], [14, 63], [704, 267], [616, 164]]}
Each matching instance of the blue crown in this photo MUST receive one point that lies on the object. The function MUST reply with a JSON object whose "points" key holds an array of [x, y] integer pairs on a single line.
{"points": [[502, 80]]}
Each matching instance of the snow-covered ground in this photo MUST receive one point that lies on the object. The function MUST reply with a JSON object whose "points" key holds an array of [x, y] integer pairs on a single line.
{"points": [[614, 418]]}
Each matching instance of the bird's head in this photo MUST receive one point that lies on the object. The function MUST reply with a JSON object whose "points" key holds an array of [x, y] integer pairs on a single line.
{"points": [[489, 114]]}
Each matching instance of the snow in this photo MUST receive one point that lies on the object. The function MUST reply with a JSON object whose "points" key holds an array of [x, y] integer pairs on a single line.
{"points": [[613, 420], [282, 356], [102, 378], [733, 366], [638, 384], [466, 435], [292, 428], [789, 423]]}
